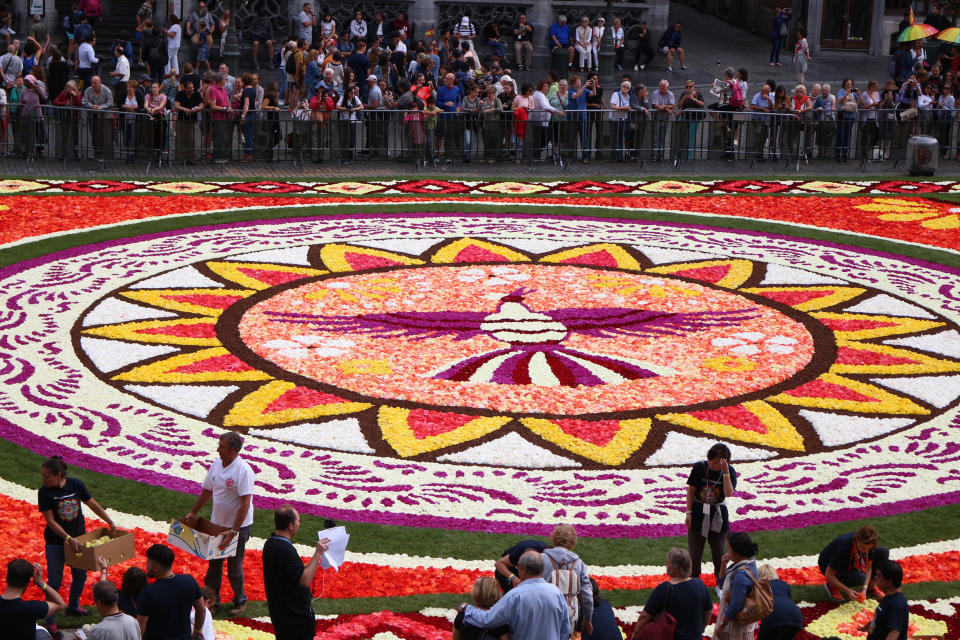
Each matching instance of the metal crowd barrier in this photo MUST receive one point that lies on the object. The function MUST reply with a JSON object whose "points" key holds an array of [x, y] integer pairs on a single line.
{"points": [[70, 134]]}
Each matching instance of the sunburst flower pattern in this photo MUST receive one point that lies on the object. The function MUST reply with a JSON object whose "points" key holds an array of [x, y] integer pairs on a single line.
{"points": [[595, 354]]}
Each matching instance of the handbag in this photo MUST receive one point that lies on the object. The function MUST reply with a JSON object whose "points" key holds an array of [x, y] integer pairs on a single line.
{"points": [[849, 104], [909, 114], [661, 627], [784, 32], [758, 603]]}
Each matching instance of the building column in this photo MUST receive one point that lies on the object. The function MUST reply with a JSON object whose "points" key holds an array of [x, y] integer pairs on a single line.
{"points": [[423, 16], [542, 15], [813, 19], [879, 41]]}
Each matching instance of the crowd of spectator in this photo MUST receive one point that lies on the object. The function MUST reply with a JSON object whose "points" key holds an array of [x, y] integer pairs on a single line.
{"points": [[370, 87]]}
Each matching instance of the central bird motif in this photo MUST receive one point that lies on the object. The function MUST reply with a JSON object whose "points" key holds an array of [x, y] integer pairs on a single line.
{"points": [[536, 354]]}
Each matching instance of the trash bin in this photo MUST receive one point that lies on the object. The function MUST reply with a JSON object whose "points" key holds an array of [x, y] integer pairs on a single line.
{"points": [[559, 58], [922, 155]]}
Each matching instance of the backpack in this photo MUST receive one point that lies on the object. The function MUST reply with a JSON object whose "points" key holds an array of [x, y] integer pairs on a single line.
{"points": [[81, 30], [565, 577], [736, 95], [158, 52], [92, 8], [291, 64], [758, 603]]}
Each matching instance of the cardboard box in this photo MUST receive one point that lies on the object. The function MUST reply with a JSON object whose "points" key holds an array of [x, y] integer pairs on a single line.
{"points": [[119, 549], [202, 540]]}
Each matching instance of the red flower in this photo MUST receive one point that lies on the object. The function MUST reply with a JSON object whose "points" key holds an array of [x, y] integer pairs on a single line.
{"points": [[750, 186], [593, 188], [267, 186], [98, 186], [903, 186], [435, 187]]}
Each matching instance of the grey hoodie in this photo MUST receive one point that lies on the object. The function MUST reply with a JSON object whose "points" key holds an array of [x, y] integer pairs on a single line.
{"points": [[561, 555]]}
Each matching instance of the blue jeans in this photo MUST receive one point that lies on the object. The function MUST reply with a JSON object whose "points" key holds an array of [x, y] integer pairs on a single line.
{"points": [[56, 558], [583, 132], [497, 48], [468, 136], [248, 133], [844, 129], [775, 51]]}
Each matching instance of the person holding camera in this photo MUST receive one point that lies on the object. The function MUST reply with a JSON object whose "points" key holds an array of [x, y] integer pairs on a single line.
{"points": [[20, 616], [306, 22], [779, 33], [523, 42]]}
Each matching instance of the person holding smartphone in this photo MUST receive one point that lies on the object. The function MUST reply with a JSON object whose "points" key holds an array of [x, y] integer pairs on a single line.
{"points": [[306, 21], [710, 483], [20, 616]]}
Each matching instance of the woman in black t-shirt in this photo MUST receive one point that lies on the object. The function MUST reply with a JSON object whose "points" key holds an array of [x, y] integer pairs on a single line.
{"points": [[60, 501], [683, 597], [707, 520]]}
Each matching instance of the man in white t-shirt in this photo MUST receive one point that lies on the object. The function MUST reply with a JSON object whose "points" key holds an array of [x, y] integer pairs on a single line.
{"points": [[306, 21], [121, 73], [229, 483], [174, 35]]}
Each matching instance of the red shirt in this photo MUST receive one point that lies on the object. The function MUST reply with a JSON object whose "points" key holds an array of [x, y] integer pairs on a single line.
{"points": [[218, 96]]}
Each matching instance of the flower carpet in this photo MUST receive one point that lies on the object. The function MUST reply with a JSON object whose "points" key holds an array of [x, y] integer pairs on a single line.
{"points": [[485, 360]]}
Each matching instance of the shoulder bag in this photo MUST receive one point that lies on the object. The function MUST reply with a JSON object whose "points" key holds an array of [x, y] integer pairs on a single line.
{"points": [[758, 603], [661, 627]]}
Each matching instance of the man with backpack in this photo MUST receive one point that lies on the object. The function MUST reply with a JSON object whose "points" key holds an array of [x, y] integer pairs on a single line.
{"points": [[534, 609], [564, 569]]}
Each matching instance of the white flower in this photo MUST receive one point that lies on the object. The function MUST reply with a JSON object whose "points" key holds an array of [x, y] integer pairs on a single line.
{"points": [[494, 277], [303, 346], [749, 343]]}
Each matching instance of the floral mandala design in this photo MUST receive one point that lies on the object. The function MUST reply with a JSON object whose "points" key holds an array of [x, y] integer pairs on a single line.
{"points": [[595, 354]]}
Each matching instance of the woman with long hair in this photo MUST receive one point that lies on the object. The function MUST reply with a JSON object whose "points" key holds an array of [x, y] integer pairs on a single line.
{"points": [[270, 109], [349, 108], [737, 575], [522, 106], [155, 105]]}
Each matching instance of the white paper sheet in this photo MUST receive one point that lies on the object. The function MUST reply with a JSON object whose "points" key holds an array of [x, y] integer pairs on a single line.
{"points": [[337, 548]]}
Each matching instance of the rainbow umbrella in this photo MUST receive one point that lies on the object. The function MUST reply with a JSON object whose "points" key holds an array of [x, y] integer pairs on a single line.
{"points": [[916, 32], [950, 35]]}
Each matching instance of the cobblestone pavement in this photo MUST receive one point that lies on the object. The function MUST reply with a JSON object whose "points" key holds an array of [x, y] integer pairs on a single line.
{"points": [[504, 171]]}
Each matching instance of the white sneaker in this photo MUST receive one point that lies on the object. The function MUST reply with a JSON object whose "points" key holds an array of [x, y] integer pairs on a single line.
{"points": [[636, 68], [670, 69]]}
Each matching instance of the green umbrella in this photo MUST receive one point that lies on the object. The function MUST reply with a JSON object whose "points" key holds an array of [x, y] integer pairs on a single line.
{"points": [[916, 32], [950, 35]]}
